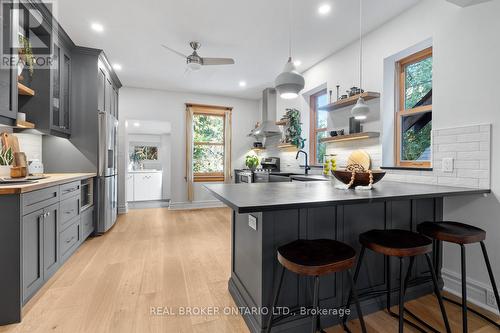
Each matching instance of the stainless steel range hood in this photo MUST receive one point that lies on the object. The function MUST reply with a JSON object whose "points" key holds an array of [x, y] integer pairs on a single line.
{"points": [[268, 125]]}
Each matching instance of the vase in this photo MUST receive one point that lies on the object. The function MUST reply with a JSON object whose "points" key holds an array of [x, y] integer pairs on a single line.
{"points": [[4, 171]]}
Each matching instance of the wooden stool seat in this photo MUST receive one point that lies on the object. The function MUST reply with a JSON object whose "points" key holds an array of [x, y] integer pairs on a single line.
{"points": [[453, 232], [396, 242], [316, 257]]}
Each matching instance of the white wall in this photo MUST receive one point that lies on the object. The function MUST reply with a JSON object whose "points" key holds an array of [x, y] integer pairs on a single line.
{"points": [[147, 104], [465, 88]]}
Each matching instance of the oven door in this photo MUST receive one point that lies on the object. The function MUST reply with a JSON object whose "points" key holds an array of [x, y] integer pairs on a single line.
{"points": [[246, 178], [261, 178]]}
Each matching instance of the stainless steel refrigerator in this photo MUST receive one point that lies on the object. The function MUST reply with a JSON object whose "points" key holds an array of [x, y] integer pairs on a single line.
{"points": [[107, 194]]}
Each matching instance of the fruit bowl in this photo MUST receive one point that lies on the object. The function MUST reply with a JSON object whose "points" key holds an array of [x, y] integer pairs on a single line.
{"points": [[361, 178]]}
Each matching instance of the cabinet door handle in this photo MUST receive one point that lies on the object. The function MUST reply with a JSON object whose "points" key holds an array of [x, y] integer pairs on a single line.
{"points": [[69, 240], [47, 214], [69, 211], [70, 190]]}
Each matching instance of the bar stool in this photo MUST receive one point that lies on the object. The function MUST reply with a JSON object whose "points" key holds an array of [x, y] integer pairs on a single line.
{"points": [[462, 234], [401, 244], [315, 258]]}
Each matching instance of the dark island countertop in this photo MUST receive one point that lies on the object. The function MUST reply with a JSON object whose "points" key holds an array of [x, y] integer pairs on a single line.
{"points": [[258, 197]]}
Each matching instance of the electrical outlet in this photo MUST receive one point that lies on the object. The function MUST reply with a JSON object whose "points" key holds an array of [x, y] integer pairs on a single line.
{"points": [[252, 222], [448, 164], [490, 299]]}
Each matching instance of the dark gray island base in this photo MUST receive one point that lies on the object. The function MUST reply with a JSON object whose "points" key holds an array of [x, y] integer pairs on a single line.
{"points": [[268, 215]]}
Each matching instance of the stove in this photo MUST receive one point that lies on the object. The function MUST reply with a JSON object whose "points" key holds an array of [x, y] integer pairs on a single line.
{"points": [[269, 167]]}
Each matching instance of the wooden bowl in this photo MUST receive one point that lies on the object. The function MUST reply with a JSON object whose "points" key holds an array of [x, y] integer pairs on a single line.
{"points": [[361, 179], [18, 172]]}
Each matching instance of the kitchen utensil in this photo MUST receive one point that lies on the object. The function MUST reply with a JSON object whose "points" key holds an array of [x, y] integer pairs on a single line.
{"points": [[333, 133], [360, 178], [343, 97], [360, 157], [257, 144], [338, 91], [20, 159], [35, 167], [18, 172], [5, 139], [14, 143]]}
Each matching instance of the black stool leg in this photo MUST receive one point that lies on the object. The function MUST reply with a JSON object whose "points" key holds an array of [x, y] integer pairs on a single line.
{"points": [[438, 293], [275, 300], [388, 283], [490, 273], [464, 290], [315, 304], [401, 296], [354, 293], [356, 274]]}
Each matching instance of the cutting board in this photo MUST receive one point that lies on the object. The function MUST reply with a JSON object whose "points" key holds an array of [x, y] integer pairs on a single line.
{"points": [[360, 157], [10, 141]]}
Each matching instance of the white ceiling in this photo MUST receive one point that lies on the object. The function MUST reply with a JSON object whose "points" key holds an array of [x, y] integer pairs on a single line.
{"points": [[254, 32]]}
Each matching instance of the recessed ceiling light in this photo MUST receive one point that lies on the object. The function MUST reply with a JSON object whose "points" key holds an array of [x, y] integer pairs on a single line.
{"points": [[324, 9], [297, 63], [97, 27], [242, 84], [126, 123], [137, 124], [117, 67]]}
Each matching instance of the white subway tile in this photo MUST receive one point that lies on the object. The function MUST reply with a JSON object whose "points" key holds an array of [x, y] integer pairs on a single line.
{"points": [[479, 174], [484, 183], [440, 139], [474, 155], [459, 164], [460, 182], [484, 165], [485, 128], [473, 137], [458, 130], [464, 146]]}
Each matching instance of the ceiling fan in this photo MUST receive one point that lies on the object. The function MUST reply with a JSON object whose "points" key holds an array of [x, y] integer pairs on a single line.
{"points": [[195, 62]]}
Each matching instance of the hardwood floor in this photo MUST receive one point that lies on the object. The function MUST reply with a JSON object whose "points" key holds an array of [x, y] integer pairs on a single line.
{"points": [[168, 259]]}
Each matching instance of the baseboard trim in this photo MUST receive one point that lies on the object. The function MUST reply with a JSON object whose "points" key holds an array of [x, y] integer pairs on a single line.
{"points": [[195, 205], [476, 291]]}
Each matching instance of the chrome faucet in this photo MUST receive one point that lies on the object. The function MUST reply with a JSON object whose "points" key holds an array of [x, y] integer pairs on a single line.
{"points": [[306, 166]]}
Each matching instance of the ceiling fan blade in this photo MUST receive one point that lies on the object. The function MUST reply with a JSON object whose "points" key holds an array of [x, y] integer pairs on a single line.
{"points": [[217, 61], [174, 51]]}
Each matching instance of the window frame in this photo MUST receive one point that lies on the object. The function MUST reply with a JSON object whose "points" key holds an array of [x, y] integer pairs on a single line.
{"points": [[313, 129], [204, 177], [401, 111]]}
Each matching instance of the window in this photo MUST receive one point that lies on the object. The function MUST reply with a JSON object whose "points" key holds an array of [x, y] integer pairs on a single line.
{"points": [[414, 115], [318, 127]]}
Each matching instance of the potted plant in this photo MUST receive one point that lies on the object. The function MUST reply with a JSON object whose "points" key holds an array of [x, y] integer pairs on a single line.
{"points": [[251, 161], [26, 57], [6, 159], [293, 130]]}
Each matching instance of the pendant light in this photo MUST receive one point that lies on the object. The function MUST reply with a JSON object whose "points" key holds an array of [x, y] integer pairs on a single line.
{"points": [[289, 83], [361, 109]]}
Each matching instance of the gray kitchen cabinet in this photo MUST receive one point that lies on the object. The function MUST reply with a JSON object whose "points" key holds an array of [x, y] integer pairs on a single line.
{"points": [[32, 253], [40, 248], [87, 223], [8, 76], [51, 218], [61, 87], [101, 90]]}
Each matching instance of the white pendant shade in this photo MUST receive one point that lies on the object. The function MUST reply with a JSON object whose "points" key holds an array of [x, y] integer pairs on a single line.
{"points": [[289, 83], [360, 110]]}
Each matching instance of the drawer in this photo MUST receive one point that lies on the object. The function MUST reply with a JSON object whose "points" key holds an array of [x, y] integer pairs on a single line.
{"points": [[70, 209], [69, 238], [70, 189], [87, 222], [40, 199]]}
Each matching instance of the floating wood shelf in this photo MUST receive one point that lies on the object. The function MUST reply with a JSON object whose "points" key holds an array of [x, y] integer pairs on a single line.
{"points": [[286, 146], [350, 137], [368, 95], [258, 148], [282, 123], [25, 91], [24, 124]]}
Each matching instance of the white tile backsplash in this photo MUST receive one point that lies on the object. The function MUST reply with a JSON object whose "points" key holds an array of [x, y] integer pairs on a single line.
{"points": [[31, 145], [469, 146]]}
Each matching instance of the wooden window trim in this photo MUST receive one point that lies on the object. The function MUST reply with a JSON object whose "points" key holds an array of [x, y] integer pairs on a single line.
{"points": [[313, 130], [401, 66], [206, 177]]}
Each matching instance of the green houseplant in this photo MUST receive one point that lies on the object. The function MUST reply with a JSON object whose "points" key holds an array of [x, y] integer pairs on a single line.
{"points": [[26, 54], [251, 161], [6, 159], [293, 130]]}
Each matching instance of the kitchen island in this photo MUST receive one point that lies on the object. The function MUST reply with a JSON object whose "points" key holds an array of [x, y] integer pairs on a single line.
{"points": [[268, 215], [42, 224]]}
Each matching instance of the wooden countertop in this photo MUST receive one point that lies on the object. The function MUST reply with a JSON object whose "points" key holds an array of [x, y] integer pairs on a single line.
{"points": [[53, 179]]}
